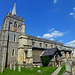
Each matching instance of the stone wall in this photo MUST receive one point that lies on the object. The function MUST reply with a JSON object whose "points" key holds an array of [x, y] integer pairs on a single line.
{"points": [[36, 55], [10, 20], [1, 57], [44, 42]]}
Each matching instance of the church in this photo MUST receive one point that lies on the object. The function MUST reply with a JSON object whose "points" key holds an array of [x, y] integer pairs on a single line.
{"points": [[17, 47]]}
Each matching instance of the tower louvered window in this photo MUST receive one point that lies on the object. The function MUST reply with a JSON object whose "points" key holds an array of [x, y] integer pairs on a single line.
{"points": [[15, 24]]}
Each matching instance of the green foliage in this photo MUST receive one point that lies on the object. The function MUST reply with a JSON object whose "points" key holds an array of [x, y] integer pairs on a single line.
{"points": [[62, 70], [45, 60], [24, 71]]}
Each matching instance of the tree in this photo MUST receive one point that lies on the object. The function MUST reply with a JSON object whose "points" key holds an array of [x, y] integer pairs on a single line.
{"points": [[45, 60]]}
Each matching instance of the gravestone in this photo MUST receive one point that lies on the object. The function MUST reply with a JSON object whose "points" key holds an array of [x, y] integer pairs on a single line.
{"points": [[34, 65], [73, 70], [39, 71], [27, 65], [68, 66], [2, 68], [38, 66], [14, 67], [10, 66], [31, 66], [19, 68], [66, 73]]}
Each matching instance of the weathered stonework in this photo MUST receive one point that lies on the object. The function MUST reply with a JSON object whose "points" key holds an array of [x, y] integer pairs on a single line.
{"points": [[27, 49], [36, 56], [10, 21]]}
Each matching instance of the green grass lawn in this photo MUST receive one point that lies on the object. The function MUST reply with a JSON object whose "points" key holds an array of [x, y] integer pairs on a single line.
{"points": [[62, 70], [24, 71]]}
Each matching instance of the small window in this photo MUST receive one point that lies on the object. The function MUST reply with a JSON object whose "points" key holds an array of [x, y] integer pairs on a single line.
{"points": [[40, 44], [33, 43], [14, 37], [13, 52], [46, 45]]}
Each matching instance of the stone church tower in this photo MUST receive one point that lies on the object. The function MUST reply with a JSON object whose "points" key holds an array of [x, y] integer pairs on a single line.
{"points": [[11, 28]]}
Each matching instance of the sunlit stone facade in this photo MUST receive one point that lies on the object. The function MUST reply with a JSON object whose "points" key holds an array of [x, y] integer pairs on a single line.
{"points": [[26, 49]]}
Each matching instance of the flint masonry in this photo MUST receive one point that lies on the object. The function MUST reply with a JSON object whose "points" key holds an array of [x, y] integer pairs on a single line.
{"points": [[17, 47]]}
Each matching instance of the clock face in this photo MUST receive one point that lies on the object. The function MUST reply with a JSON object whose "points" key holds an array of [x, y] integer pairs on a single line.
{"points": [[15, 29]]}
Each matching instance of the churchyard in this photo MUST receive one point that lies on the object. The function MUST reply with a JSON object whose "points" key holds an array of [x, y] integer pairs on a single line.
{"points": [[24, 71], [29, 69], [37, 70]]}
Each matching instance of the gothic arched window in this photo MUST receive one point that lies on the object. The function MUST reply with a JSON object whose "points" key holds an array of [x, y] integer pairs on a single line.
{"points": [[15, 24]]}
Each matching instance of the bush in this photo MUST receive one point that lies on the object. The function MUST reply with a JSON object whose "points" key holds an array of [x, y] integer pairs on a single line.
{"points": [[45, 60]]}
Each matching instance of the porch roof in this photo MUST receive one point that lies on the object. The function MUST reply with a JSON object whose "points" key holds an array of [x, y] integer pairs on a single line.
{"points": [[50, 52]]}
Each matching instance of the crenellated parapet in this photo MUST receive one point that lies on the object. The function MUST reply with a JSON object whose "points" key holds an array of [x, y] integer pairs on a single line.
{"points": [[14, 17]]}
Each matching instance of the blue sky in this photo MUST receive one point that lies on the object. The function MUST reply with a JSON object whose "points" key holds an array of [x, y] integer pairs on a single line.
{"points": [[49, 19]]}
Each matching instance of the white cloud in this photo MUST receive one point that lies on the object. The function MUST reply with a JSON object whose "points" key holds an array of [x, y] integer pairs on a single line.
{"points": [[52, 29], [71, 43], [71, 14], [55, 1], [57, 33], [53, 34], [52, 39], [38, 36], [47, 35]]}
